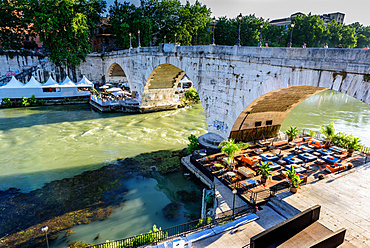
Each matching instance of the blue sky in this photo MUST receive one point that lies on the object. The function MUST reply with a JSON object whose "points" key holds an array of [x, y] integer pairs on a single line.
{"points": [[355, 10]]}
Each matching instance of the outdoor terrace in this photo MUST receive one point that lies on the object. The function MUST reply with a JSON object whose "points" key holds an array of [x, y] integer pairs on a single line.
{"points": [[309, 161]]}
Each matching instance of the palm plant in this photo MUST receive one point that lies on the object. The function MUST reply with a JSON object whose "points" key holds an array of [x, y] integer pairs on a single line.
{"points": [[230, 149], [328, 131], [294, 179], [353, 144], [292, 133], [263, 170], [312, 133]]}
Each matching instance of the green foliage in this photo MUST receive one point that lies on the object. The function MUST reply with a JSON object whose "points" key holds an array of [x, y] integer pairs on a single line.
{"points": [[348, 141], [263, 169], [25, 102], [203, 222], [328, 131], [230, 148], [6, 102], [292, 133], [293, 177], [156, 19], [65, 27], [312, 133], [152, 236], [338, 33], [309, 29], [193, 145], [367, 78], [192, 95], [12, 24]]}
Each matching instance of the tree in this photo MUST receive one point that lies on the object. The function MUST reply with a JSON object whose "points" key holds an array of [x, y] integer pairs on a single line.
{"points": [[309, 29], [13, 25], [328, 131], [338, 33], [292, 133], [263, 170], [230, 148], [65, 27], [362, 34]]}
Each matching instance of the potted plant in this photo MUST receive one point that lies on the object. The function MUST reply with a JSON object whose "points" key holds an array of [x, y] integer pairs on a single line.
{"points": [[294, 180], [292, 133], [352, 145], [230, 149], [329, 132], [263, 170]]}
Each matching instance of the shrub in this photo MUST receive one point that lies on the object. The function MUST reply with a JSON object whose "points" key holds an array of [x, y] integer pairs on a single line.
{"points": [[192, 95], [193, 145], [6, 102]]}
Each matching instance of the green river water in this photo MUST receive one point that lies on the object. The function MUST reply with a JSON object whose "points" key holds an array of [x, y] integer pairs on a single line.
{"points": [[42, 144]]}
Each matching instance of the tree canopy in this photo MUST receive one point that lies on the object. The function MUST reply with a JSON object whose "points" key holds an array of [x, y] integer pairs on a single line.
{"points": [[158, 20]]}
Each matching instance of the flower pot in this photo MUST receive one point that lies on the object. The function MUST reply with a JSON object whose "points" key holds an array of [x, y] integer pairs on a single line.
{"points": [[293, 190], [263, 180]]}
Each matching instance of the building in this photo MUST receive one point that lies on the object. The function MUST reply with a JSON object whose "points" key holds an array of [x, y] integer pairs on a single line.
{"points": [[327, 18], [102, 40]]}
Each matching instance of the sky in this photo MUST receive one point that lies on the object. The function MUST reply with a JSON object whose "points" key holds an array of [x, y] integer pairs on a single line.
{"points": [[354, 10]]}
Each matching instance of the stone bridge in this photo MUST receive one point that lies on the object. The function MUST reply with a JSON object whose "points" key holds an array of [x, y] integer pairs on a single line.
{"points": [[246, 92]]}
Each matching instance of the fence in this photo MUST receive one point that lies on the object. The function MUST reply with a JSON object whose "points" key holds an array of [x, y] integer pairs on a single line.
{"points": [[199, 166], [153, 237]]}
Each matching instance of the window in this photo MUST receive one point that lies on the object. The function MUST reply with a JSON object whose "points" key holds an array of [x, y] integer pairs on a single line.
{"points": [[269, 122], [49, 90], [258, 123]]}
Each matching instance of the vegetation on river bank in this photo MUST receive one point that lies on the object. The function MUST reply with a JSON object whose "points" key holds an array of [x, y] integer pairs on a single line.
{"points": [[61, 204]]}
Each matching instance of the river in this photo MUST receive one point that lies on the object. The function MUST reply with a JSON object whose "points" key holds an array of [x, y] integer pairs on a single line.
{"points": [[42, 144]]}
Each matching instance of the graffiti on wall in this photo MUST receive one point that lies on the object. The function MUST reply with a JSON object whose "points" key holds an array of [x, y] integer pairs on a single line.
{"points": [[220, 125]]}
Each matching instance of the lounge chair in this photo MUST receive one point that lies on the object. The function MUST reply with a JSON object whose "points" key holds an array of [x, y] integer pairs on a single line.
{"points": [[315, 144], [248, 160]]}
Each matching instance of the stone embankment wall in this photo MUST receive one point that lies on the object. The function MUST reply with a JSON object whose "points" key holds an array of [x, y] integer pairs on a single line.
{"points": [[39, 66]]}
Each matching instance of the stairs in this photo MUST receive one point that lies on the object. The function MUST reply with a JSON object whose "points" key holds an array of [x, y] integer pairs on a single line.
{"points": [[282, 208]]}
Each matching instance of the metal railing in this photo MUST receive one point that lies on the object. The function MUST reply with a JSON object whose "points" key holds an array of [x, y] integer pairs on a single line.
{"points": [[153, 238]]}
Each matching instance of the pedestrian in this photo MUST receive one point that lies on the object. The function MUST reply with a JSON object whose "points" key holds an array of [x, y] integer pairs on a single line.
{"points": [[304, 45], [340, 46], [366, 47], [326, 45], [266, 45]]}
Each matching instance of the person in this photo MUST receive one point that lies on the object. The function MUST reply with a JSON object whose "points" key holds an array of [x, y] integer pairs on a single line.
{"points": [[366, 47], [340, 46], [326, 45], [304, 45], [266, 45]]}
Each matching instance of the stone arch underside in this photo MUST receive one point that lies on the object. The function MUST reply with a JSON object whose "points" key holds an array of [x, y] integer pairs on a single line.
{"points": [[159, 90], [263, 117], [116, 73]]}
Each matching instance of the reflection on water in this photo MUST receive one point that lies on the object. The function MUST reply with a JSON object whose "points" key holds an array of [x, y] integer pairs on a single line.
{"points": [[42, 144], [145, 199], [348, 114]]}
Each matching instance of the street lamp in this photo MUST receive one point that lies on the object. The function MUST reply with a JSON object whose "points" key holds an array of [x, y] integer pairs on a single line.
{"points": [[291, 34], [165, 38], [45, 230], [175, 38], [240, 16], [234, 193], [138, 33], [130, 40], [213, 33], [260, 42]]}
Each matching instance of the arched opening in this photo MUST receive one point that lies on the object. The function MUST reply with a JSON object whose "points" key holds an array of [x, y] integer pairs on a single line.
{"points": [[164, 87], [164, 76], [117, 76], [263, 117]]}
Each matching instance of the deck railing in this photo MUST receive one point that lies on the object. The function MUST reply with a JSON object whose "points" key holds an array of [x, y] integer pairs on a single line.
{"points": [[153, 238]]}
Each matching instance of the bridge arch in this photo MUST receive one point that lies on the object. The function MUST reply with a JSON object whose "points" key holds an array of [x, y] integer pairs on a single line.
{"points": [[116, 73], [161, 86], [264, 116]]}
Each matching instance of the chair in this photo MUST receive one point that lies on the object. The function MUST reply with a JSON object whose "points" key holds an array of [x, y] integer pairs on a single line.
{"points": [[245, 158]]}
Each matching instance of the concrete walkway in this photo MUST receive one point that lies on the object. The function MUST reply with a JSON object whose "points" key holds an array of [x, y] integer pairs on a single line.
{"points": [[240, 237], [344, 200], [224, 199]]}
